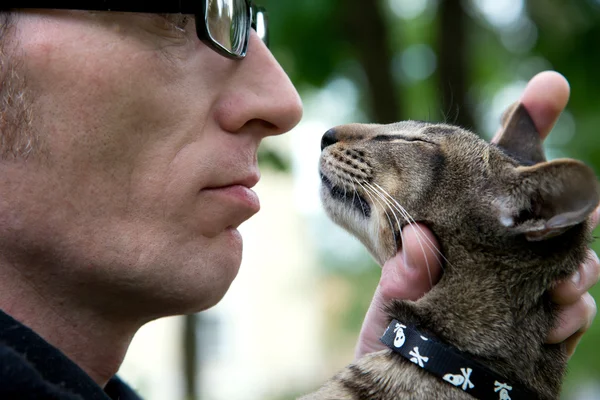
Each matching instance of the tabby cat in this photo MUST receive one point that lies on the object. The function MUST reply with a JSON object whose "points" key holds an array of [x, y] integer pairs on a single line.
{"points": [[509, 224]]}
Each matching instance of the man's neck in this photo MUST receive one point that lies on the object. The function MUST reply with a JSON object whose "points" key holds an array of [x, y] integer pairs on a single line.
{"points": [[93, 341]]}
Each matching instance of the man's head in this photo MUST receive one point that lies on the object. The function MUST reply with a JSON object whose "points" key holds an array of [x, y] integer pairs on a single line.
{"points": [[149, 140]]}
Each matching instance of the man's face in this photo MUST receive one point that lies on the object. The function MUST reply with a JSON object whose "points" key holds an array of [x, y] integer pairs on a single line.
{"points": [[149, 144]]}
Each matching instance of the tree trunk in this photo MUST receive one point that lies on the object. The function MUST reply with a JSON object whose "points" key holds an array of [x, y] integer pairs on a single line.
{"points": [[366, 29], [453, 65], [190, 362]]}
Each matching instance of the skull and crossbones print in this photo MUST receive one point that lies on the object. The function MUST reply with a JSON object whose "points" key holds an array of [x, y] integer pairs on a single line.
{"points": [[461, 380], [400, 336], [503, 388], [418, 358]]}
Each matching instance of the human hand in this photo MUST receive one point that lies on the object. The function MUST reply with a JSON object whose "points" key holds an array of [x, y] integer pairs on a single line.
{"points": [[545, 97], [416, 268]]}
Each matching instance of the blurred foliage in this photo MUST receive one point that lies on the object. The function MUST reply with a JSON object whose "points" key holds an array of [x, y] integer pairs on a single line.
{"points": [[449, 60], [273, 159]]}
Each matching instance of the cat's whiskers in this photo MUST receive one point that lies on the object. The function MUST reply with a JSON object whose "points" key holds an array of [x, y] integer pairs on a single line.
{"points": [[354, 195], [431, 246], [385, 210], [345, 191], [419, 232], [395, 216], [408, 218]]}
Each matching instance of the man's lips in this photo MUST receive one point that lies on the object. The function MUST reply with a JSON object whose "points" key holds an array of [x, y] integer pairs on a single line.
{"points": [[248, 180], [238, 195]]}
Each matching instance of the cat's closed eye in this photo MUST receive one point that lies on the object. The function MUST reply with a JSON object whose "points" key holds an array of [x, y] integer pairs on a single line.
{"points": [[391, 138]]}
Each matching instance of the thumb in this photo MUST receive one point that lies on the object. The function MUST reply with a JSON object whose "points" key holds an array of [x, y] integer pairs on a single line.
{"points": [[407, 276]]}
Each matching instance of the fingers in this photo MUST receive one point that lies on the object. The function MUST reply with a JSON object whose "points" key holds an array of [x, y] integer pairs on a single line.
{"points": [[545, 97], [577, 306], [408, 275], [569, 291], [574, 320], [415, 269], [595, 217]]}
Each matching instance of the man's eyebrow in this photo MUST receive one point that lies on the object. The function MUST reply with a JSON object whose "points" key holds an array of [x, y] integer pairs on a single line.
{"points": [[177, 19]]}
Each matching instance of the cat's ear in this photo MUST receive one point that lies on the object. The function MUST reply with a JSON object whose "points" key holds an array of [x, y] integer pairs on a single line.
{"points": [[561, 194], [519, 135]]}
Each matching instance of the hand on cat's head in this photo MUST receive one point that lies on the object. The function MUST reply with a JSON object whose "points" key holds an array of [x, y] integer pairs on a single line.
{"points": [[414, 270]]}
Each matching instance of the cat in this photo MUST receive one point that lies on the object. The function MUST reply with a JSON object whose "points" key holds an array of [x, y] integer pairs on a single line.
{"points": [[509, 224]]}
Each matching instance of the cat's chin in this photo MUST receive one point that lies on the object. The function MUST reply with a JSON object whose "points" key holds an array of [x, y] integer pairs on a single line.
{"points": [[385, 253], [385, 250]]}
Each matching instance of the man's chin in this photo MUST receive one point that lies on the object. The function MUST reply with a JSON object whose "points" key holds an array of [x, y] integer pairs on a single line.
{"points": [[194, 280], [194, 300], [234, 236], [219, 276]]}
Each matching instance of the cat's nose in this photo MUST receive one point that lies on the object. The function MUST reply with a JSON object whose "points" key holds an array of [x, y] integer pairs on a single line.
{"points": [[328, 138]]}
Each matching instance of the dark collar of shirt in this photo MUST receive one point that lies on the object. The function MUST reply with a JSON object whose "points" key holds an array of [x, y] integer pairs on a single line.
{"points": [[31, 368]]}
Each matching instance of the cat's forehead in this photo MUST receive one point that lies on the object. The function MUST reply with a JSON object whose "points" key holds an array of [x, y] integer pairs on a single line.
{"points": [[421, 128]]}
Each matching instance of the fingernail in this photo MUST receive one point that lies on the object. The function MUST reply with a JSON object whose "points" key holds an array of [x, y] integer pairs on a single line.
{"points": [[407, 262], [591, 302], [594, 257], [409, 267], [576, 279]]}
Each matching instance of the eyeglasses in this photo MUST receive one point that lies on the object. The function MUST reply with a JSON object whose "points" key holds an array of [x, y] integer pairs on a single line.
{"points": [[224, 25]]}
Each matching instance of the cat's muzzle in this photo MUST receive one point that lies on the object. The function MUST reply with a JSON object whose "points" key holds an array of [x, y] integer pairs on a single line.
{"points": [[347, 196]]}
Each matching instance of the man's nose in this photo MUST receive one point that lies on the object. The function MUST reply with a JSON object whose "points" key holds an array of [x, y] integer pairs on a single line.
{"points": [[262, 91]]}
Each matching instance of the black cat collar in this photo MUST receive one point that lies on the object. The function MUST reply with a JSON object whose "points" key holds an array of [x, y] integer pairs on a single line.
{"points": [[451, 365]]}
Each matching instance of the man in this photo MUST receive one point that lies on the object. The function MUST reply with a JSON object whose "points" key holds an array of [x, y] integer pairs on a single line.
{"points": [[129, 145]]}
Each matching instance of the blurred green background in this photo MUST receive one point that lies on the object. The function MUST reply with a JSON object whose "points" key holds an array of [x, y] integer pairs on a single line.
{"points": [[454, 61]]}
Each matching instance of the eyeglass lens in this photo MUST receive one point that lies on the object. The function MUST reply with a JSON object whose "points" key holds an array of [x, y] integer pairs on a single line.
{"points": [[228, 23], [259, 23]]}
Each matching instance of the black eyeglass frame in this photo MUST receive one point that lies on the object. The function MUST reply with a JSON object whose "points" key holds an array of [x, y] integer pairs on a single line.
{"points": [[199, 8]]}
